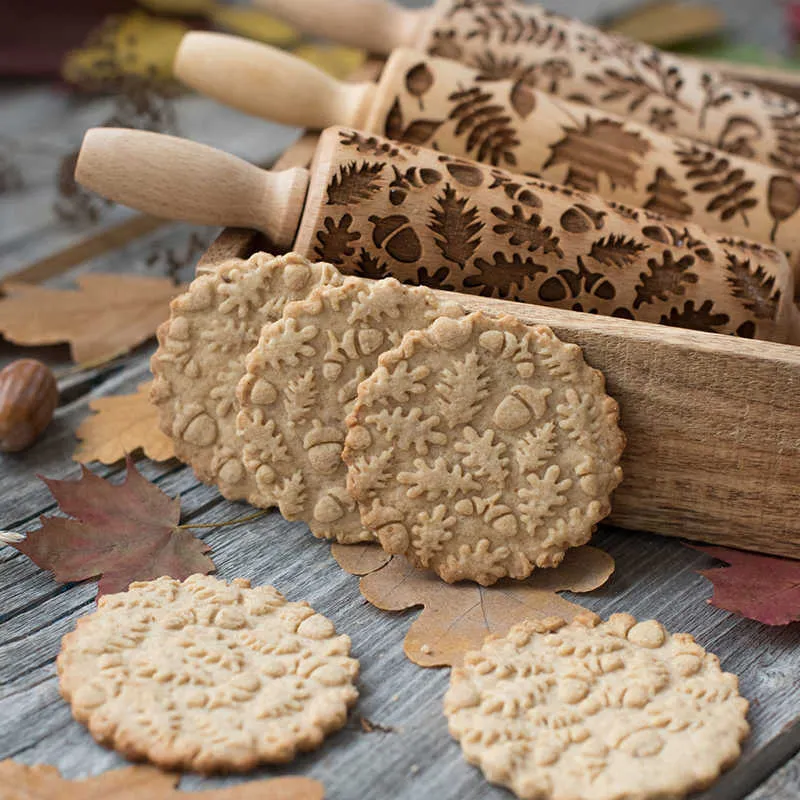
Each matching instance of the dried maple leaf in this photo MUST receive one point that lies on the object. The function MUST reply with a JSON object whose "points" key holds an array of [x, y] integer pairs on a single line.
{"points": [[123, 424], [105, 316], [763, 588], [458, 617], [43, 782], [124, 533]]}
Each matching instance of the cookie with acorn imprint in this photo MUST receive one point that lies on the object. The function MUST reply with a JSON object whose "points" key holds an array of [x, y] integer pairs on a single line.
{"points": [[301, 383], [482, 447], [201, 354], [596, 710]]}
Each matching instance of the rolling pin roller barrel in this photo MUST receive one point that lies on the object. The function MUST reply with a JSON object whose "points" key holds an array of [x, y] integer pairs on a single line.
{"points": [[375, 208], [439, 103], [574, 61]]}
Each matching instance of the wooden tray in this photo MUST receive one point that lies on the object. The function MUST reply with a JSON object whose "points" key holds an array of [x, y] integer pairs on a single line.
{"points": [[713, 431]]}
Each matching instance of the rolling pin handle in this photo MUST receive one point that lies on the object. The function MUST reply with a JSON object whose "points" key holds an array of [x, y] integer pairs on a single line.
{"points": [[378, 26], [267, 82], [182, 180]]}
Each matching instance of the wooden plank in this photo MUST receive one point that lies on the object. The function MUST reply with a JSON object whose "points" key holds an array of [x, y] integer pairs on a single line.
{"points": [[783, 785]]}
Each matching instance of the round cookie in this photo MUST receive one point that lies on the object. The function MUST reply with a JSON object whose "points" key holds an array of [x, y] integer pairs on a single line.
{"points": [[483, 447], [596, 710], [300, 385], [207, 675], [201, 353]]}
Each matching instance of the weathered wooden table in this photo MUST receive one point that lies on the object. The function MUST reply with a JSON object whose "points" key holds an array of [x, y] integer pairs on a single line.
{"points": [[409, 753]]}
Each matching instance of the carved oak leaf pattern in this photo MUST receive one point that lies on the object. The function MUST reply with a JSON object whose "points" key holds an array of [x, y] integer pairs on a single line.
{"points": [[491, 137], [483, 457], [755, 289], [666, 197], [669, 235], [368, 266], [713, 175], [455, 226], [599, 147], [334, 241], [618, 250], [419, 131], [665, 278], [528, 231], [435, 280], [787, 129], [701, 319], [503, 277], [437, 479], [354, 182], [575, 283]]}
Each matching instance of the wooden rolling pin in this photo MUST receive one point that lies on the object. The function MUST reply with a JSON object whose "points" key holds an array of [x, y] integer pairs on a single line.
{"points": [[511, 39], [448, 106], [377, 208]]}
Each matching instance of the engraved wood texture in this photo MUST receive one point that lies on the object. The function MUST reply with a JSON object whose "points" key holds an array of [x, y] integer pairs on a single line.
{"points": [[378, 208], [511, 39], [713, 448], [453, 108]]}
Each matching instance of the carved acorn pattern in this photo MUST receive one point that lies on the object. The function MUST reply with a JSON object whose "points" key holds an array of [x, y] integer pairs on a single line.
{"points": [[482, 230], [509, 118]]}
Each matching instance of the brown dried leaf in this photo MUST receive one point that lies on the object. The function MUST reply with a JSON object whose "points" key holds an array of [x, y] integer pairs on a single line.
{"points": [[458, 617], [123, 424], [124, 533], [106, 316], [43, 782]]}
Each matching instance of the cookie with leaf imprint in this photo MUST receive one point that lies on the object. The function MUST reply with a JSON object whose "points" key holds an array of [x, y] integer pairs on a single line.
{"points": [[300, 385], [596, 710], [201, 353], [207, 675], [482, 447]]}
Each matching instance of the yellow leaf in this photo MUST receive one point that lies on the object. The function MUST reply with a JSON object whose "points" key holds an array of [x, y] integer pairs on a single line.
{"points": [[337, 60], [107, 314], [254, 24], [133, 45], [123, 424]]}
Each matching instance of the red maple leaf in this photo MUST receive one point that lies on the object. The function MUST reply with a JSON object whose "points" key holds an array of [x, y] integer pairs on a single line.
{"points": [[763, 588], [124, 533]]}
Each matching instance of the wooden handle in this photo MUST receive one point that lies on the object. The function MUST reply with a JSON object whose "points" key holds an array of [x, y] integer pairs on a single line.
{"points": [[378, 208], [268, 82], [374, 25], [177, 179]]}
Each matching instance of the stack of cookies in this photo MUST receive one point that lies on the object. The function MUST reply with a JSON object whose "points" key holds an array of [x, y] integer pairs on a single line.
{"points": [[476, 446]]}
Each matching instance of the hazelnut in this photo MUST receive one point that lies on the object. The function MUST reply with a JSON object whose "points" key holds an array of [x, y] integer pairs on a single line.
{"points": [[28, 398]]}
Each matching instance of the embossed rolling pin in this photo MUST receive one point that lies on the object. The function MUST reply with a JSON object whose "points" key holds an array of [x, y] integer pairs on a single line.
{"points": [[442, 104], [375, 208], [572, 60]]}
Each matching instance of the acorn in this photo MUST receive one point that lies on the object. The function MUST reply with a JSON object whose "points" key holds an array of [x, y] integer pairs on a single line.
{"points": [[28, 398]]}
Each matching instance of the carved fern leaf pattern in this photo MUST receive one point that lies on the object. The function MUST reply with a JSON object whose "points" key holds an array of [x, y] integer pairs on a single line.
{"points": [[787, 128], [354, 182], [462, 389], [618, 250], [407, 430], [300, 396], [483, 457], [665, 278], [536, 447], [755, 289], [455, 226], [437, 479]]}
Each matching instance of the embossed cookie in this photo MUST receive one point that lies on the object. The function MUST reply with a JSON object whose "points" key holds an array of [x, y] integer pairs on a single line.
{"points": [[483, 447], [596, 710], [201, 354], [301, 384], [207, 675]]}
